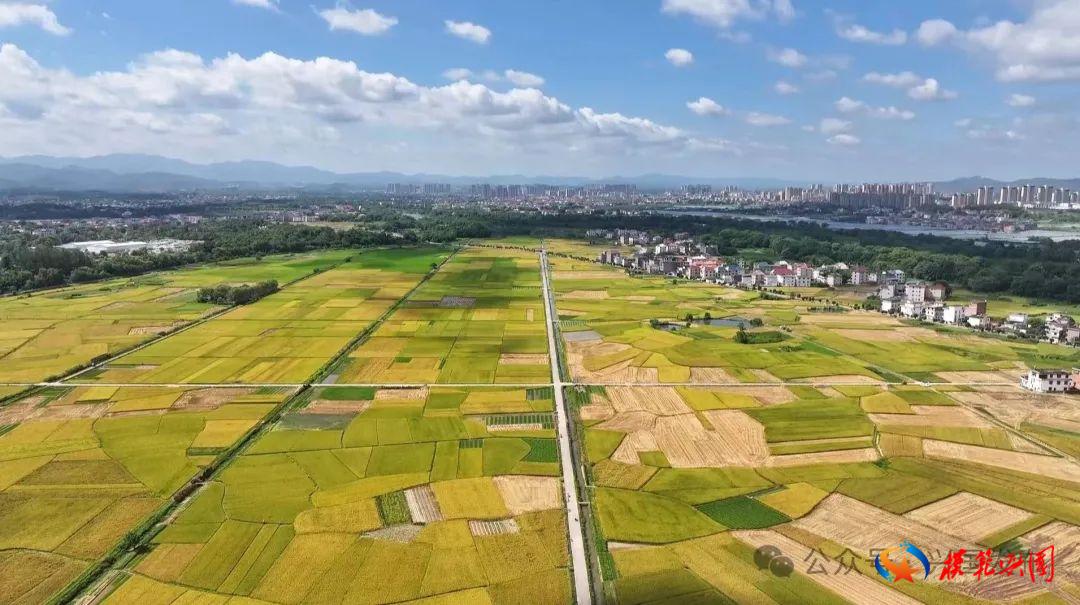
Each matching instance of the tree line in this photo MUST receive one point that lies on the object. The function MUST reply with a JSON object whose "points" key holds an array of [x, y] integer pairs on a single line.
{"points": [[225, 294]]}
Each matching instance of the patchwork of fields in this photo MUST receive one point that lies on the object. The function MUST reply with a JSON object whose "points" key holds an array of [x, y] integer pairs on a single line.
{"points": [[47, 334], [80, 468], [621, 329], [803, 437], [428, 495], [424, 467], [285, 337], [480, 319]]}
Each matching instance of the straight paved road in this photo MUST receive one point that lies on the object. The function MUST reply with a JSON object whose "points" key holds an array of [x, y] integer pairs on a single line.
{"points": [[578, 556]]}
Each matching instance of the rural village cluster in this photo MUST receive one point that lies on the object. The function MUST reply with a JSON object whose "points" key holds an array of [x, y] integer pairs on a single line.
{"points": [[890, 289]]}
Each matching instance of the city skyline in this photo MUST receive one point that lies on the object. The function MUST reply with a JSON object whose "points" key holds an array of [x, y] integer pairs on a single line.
{"points": [[698, 88]]}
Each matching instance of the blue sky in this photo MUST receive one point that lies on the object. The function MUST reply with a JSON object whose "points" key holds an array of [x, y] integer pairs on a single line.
{"points": [[825, 91]]}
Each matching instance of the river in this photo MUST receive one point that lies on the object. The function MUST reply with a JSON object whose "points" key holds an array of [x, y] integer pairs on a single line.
{"points": [[968, 234]]}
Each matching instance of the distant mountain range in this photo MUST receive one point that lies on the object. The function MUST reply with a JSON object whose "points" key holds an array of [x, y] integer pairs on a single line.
{"points": [[136, 173]]}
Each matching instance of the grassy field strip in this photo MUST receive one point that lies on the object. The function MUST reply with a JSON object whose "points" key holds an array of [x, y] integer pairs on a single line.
{"points": [[100, 581], [571, 474], [180, 330]]}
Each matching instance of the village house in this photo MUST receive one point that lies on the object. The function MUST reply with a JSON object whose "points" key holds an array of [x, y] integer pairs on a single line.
{"points": [[1047, 381]]}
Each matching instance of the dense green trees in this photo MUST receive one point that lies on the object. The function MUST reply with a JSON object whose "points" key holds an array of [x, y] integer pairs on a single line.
{"points": [[243, 294]]}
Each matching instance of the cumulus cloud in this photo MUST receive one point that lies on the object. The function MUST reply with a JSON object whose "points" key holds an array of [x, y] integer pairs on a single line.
{"points": [[179, 100], [468, 31], [756, 118], [853, 32], [918, 88], [1019, 100], [705, 106], [1044, 48], [785, 88], [844, 140], [13, 14], [834, 126], [931, 90], [723, 13], [523, 78], [679, 57], [788, 57], [935, 31], [365, 22], [266, 4], [851, 106]]}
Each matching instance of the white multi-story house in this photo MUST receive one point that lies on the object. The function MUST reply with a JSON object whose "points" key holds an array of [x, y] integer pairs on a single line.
{"points": [[916, 292], [910, 308], [890, 305], [954, 315], [860, 276], [1047, 381], [935, 313]]}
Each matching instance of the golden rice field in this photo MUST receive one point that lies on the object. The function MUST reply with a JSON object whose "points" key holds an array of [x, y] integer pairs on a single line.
{"points": [[433, 495], [480, 319], [287, 336], [82, 467], [46, 334]]}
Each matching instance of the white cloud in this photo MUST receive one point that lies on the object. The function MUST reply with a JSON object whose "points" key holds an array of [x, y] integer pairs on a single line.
{"points": [[991, 134], [834, 126], [458, 73], [931, 90], [935, 31], [523, 78], [905, 79], [849, 105], [785, 88], [854, 32], [182, 102], [707, 107], [366, 21], [267, 4], [755, 118], [722, 13], [1043, 48], [16, 14], [679, 57], [844, 140], [1019, 100], [918, 88], [788, 57], [468, 31]]}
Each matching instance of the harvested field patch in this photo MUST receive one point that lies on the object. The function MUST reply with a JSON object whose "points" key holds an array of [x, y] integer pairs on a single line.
{"points": [[586, 295], [494, 528], [400, 534], [515, 359], [742, 435], [525, 494], [208, 399], [968, 516], [861, 527], [419, 394], [933, 415], [1047, 466], [423, 507], [838, 457], [596, 411], [662, 401], [712, 376]]}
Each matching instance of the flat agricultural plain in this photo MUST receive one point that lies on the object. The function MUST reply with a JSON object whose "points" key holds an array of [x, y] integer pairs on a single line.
{"points": [[826, 433], [480, 319], [82, 467], [420, 464], [287, 336], [46, 334], [424, 497]]}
